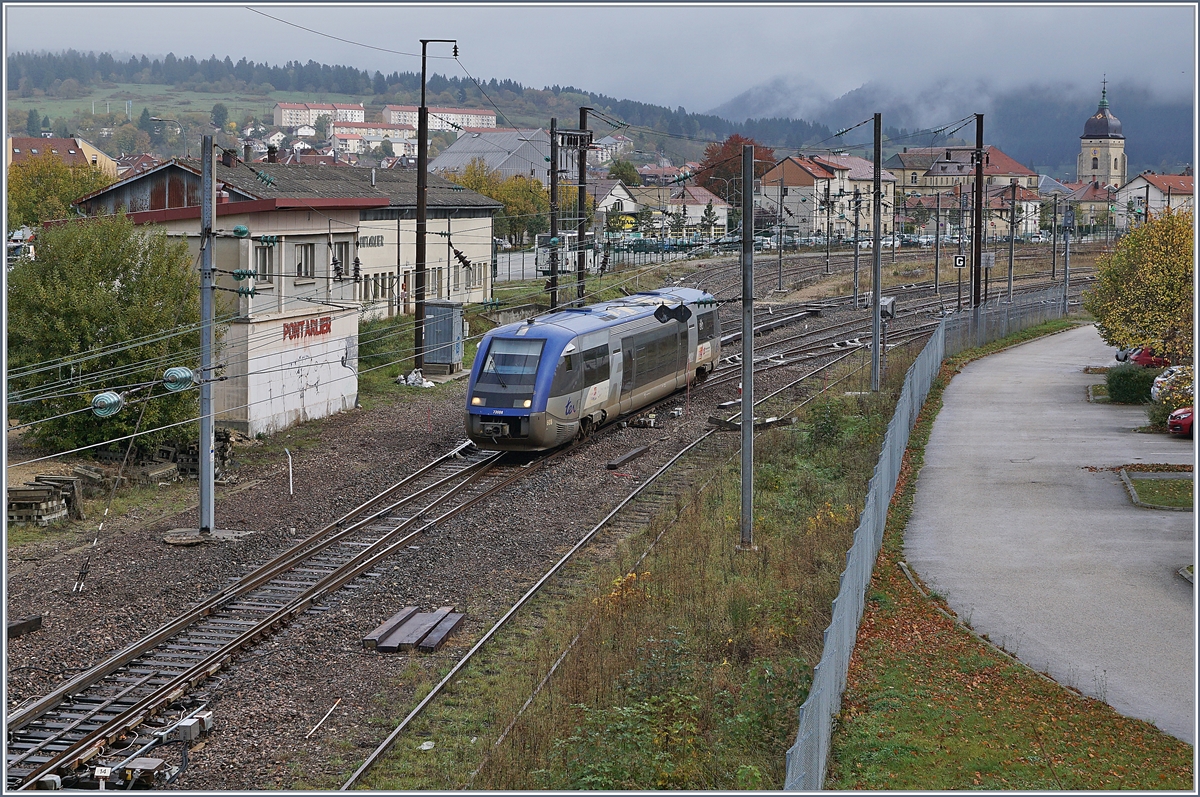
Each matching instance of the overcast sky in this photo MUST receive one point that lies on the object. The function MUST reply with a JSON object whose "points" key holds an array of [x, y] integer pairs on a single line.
{"points": [[697, 56]]}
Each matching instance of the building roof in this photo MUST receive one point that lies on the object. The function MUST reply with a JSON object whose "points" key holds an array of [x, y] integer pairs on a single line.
{"points": [[495, 149], [292, 184], [67, 150], [695, 195], [859, 168], [1092, 192], [1176, 184], [911, 158], [1102, 124], [1047, 186]]}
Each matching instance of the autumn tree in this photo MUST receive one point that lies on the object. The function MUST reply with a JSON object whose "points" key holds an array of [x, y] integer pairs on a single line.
{"points": [[721, 169], [526, 201], [1143, 290], [43, 187], [104, 306], [626, 172]]}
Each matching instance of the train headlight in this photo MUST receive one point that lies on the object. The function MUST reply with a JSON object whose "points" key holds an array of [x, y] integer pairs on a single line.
{"points": [[476, 401], [528, 403]]}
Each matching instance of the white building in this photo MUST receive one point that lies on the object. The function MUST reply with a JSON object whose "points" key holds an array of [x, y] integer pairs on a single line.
{"points": [[1156, 191], [440, 118], [290, 351], [395, 132], [294, 114]]}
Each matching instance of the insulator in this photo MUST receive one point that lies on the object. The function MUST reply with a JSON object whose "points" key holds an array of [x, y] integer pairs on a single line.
{"points": [[106, 404], [178, 378]]}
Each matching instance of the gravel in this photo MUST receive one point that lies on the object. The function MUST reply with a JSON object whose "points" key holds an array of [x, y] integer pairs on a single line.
{"points": [[267, 702]]}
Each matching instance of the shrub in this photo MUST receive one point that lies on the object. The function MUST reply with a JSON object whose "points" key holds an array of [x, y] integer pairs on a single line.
{"points": [[825, 422], [1130, 384], [1176, 393]]}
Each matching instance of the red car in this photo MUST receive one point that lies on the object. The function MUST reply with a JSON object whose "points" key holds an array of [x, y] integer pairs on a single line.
{"points": [[1147, 359], [1180, 422]]}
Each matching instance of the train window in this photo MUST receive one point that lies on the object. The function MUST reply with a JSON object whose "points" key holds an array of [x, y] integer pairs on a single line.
{"points": [[652, 356], [706, 326], [508, 374], [595, 365], [568, 377]]}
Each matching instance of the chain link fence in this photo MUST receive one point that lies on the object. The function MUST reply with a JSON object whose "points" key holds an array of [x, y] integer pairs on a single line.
{"points": [[808, 757]]}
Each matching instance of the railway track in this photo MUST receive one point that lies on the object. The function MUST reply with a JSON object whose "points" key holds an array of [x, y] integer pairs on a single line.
{"points": [[139, 697], [132, 697]]}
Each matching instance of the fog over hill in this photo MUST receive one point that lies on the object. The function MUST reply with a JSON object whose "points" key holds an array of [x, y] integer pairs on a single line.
{"points": [[1038, 124]]}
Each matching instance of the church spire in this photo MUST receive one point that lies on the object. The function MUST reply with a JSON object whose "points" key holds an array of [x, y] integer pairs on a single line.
{"points": [[1104, 92]]}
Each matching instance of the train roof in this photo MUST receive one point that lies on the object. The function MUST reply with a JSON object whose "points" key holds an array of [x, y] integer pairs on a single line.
{"points": [[581, 320]]}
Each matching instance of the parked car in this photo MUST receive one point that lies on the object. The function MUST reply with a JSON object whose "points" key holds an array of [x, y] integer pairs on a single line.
{"points": [[1180, 375], [1123, 354], [1148, 359], [1180, 422]]}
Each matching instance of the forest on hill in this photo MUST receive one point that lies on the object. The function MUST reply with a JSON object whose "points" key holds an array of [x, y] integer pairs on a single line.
{"points": [[674, 133]]}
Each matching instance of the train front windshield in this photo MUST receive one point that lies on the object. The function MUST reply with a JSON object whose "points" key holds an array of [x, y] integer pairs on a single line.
{"points": [[508, 375]]}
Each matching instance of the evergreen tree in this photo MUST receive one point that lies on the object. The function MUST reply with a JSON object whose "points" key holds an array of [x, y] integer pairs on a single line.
{"points": [[33, 126]]}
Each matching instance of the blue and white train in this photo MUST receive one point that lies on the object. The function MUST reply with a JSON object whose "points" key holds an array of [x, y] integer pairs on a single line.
{"points": [[541, 383]]}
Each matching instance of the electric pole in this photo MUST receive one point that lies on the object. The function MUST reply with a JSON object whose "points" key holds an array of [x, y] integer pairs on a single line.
{"points": [[1012, 239], [747, 347], [876, 259], [208, 191], [828, 225], [581, 234], [422, 207], [977, 243], [1054, 241], [553, 213], [857, 209], [937, 245]]}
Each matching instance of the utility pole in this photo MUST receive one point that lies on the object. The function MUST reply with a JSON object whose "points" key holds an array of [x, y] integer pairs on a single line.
{"points": [[937, 245], [828, 225], [553, 213], [779, 229], [977, 243], [422, 207], [1012, 239], [1054, 241], [747, 347], [581, 228], [208, 192], [857, 210], [962, 233], [876, 259], [1068, 223]]}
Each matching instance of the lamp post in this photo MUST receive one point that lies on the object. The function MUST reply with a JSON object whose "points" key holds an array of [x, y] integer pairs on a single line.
{"points": [[422, 191], [178, 126]]}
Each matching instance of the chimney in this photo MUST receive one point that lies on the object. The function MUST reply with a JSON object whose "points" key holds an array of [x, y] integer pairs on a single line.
{"points": [[247, 153], [227, 158], [272, 153]]}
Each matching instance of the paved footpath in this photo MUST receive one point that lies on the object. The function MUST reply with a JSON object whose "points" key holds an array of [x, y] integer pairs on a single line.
{"points": [[1053, 561]]}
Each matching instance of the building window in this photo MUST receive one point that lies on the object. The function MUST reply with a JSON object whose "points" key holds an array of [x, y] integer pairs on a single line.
{"points": [[341, 252], [304, 261], [264, 264], [914, 178], [1095, 163], [1115, 164]]}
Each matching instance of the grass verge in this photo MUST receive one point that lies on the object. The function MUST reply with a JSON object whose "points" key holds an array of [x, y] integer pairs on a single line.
{"points": [[928, 706], [1164, 492]]}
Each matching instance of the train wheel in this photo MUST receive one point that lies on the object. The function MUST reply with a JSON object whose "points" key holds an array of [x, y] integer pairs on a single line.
{"points": [[585, 430], [701, 375]]}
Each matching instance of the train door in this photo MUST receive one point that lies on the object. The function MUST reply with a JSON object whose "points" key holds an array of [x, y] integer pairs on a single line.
{"points": [[628, 373]]}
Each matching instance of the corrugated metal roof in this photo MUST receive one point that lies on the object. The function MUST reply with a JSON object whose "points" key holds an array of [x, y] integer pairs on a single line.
{"points": [[495, 149]]}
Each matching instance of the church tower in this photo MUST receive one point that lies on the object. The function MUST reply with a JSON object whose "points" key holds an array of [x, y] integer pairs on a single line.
{"points": [[1102, 147]]}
